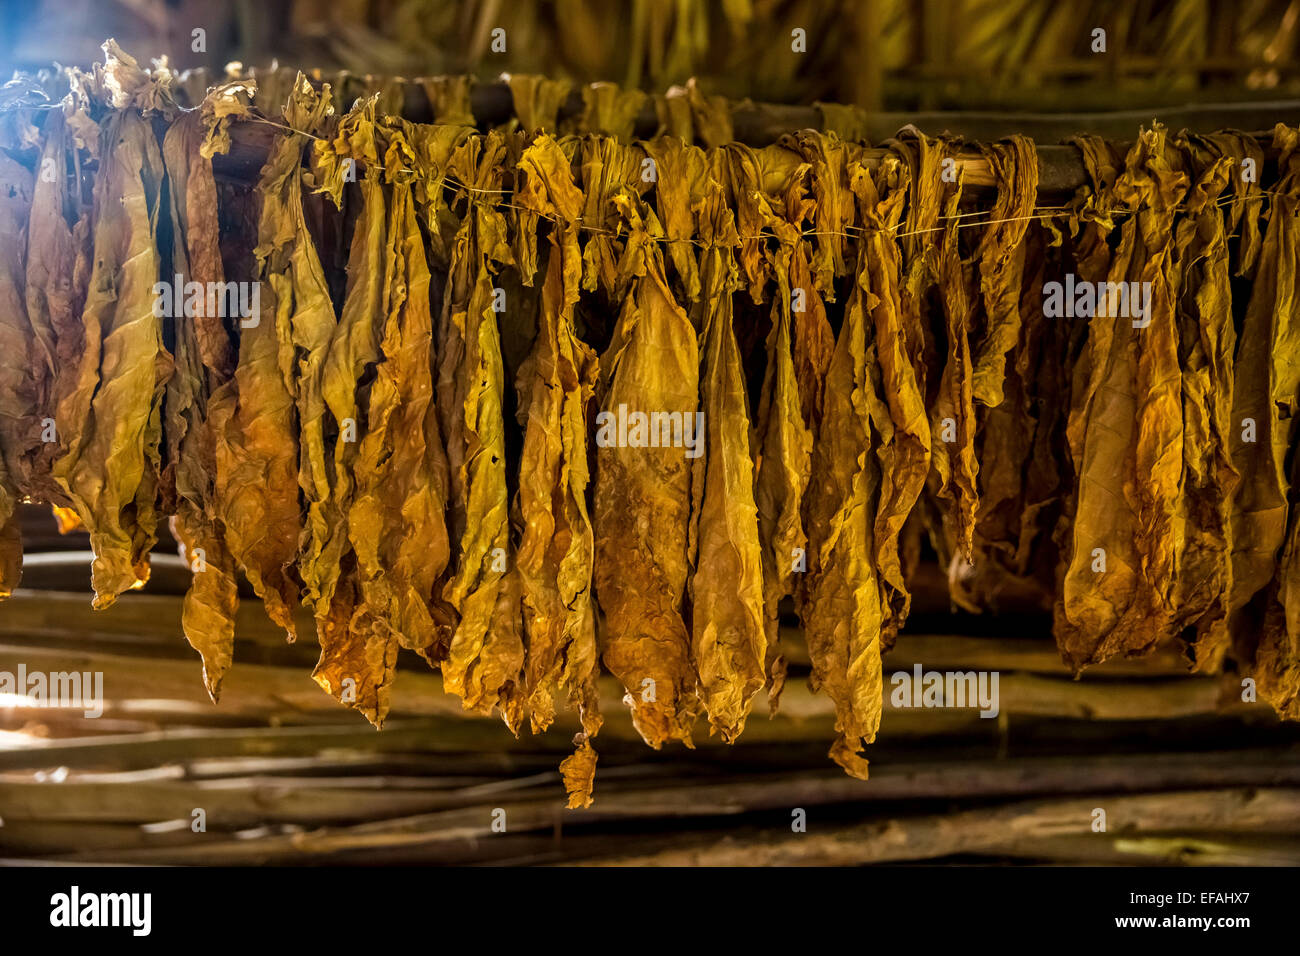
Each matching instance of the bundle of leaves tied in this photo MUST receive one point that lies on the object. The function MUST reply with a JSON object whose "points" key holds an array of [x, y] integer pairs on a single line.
{"points": [[401, 436]]}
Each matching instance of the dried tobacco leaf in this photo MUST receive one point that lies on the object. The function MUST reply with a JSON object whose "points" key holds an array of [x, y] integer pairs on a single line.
{"points": [[936, 274], [1264, 413], [203, 360], [1125, 433], [610, 110], [782, 450], [19, 426], [578, 770], [556, 548], [1207, 342], [842, 616], [1267, 377], [537, 100], [685, 113], [1276, 653], [903, 434], [643, 491], [109, 471], [58, 271], [255, 422], [358, 648], [1020, 447], [396, 519], [728, 622], [1014, 166], [11, 544], [486, 654], [449, 98], [782, 442], [832, 207]]}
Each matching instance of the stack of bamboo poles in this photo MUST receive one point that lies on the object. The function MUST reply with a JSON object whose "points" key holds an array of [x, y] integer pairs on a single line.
{"points": [[1184, 770]]}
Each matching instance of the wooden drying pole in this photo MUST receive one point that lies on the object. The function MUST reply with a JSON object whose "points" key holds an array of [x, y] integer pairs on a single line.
{"points": [[760, 124]]}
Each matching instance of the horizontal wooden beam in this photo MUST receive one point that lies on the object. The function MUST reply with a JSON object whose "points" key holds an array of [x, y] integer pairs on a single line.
{"points": [[983, 830]]}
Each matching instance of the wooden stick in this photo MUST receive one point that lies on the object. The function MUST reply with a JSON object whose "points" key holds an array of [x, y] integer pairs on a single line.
{"points": [[280, 695], [1212, 849], [465, 834], [233, 803], [972, 831]]}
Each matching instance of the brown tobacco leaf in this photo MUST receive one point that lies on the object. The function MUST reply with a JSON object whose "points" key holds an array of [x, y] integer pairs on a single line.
{"points": [[358, 651], [396, 520], [842, 618], [256, 488], [729, 641], [1207, 343], [831, 210], [1264, 416], [643, 496], [782, 449], [537, 100], [1276, 654], [1125, 435], [208, 615], [579, 772], [1159, 424], [253, 416], [813, 339], [19, 426], [798, 351], [682, 174], [685, 113], [798, 348], [11, 543], [362, 615], [1022, 472], [485, 657], [783, 454], [449, 98], [1014, 166], [58, 269], [110, 470], [919, 237], [902, 427], [1267, 377], [952, 419], [611, 110], [936, 274], [556, 549], [20, 363]]}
